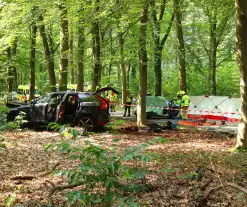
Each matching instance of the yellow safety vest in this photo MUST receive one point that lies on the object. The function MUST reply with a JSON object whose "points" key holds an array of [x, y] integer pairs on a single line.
{"points": [[185, 100]]}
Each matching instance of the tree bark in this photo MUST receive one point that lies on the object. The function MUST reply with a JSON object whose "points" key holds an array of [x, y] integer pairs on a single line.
{"points": [[64, 48], [10, 74], [71, 56], [181, 48], [32, 59], [213, 53], [80, 63], [13, 55], [48, 54], [241, 32], [96, 56], [141, 107], [96, 52], [123, 69]]}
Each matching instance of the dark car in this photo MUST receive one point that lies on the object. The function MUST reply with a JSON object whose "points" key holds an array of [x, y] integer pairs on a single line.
{"points": [[85, 109]]}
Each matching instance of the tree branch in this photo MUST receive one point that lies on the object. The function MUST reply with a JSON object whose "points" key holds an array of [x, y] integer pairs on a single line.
{"points": [[167, 31], [63, 187], [237, 187], [162, 9], [154, 15], [225, 59]]}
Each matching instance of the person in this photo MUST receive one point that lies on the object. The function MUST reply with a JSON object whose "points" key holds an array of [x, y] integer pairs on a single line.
{"points": [[113, 99], [127, 105], [179, 98], [185, 104]]}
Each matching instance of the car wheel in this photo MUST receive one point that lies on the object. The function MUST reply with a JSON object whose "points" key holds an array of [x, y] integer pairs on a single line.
{"points": [[88, 123]]}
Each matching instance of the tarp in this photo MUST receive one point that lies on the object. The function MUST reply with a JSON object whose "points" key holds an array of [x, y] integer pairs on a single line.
{"points": [[214, 108], [156, 104]]}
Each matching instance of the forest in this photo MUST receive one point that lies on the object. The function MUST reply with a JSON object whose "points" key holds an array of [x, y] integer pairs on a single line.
{"points": [[64, 142], [190, 45]]}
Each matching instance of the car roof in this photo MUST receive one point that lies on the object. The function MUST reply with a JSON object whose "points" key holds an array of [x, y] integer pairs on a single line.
{"points": [[72, 93]]}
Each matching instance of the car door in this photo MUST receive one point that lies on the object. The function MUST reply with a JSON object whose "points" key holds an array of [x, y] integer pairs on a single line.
{"points": [[52, 106], [38, 109], [60, 108]]}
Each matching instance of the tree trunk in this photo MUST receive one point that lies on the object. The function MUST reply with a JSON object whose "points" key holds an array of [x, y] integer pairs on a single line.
{"points": [[213, 58], [181, 48], [122, 66], [32, 59], [141, 107], [96, 56], [241, 8], [128, 75], [10, 74], [159, 43], [48, 55], [71, 56], [80, 63], [64, 48], [13, 55]]}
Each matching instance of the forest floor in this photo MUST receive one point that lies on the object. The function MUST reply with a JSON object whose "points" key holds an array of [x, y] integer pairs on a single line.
{"points": [[25, 167]]}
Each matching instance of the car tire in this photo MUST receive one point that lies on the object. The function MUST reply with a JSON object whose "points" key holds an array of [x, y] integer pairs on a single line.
{"points": [[88, 123]]}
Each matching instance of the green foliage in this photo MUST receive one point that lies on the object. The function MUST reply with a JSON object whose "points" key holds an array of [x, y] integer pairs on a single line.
{"points": [[3, 125], [115, 125], [9, 201], [104, 173]]}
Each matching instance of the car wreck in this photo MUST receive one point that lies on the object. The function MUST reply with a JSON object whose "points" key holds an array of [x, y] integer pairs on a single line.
{"points": [[84, 109]]}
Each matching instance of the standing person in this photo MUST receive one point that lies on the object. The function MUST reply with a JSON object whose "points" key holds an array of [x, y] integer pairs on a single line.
{"points": [[113, 100], [185, 104], [128, 105]]}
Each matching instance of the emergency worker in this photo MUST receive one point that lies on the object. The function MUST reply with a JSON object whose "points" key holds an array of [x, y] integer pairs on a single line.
{"points": [[128, 105], [113, 100], [185, 104]]}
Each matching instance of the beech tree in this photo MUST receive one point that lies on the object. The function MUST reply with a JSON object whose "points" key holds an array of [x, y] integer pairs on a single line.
{"points": [[33, 35], [241, 32], [64, 47], [141, 108], [181, 47]]}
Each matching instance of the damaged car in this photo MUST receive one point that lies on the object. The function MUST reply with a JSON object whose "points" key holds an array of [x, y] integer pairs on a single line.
{"points": [[85, 109]]}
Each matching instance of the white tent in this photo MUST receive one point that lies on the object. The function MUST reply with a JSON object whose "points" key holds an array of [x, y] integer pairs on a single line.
{"points": [[214, 108]]}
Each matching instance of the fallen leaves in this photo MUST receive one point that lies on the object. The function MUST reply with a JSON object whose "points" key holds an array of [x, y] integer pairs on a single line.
{"points": [[183, 154]]}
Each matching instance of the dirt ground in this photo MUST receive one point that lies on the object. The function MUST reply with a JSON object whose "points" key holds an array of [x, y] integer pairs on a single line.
{"points": [[210, 154]]}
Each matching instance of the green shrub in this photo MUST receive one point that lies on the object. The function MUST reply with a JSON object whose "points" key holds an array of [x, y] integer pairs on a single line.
{"points": [[104, 175]]}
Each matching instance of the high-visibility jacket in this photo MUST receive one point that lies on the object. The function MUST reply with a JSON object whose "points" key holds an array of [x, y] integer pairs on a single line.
{"points": [[112, 97], [185, 101], [178, 102]]}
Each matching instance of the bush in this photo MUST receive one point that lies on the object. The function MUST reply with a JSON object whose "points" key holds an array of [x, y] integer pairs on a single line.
{"points": [[104, 175]]}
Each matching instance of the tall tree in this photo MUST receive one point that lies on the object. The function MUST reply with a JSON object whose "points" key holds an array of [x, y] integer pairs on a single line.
{"points": [[241, 8], [181, 48], [80, 56], [49, 57], [159, 42], [96, 50], [13, 45], [141, 108], [219, 14], [71, 55], [122, 61], [10, 74], [64, 47], [33, 35]]}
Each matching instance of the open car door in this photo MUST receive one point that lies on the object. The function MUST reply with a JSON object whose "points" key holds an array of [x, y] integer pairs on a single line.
{"points": [[100, 91]]}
